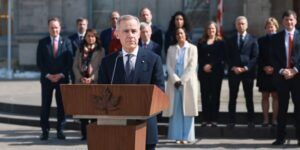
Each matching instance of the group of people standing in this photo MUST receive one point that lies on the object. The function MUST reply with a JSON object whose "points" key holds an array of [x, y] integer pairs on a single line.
{"points": [[136, 50]]}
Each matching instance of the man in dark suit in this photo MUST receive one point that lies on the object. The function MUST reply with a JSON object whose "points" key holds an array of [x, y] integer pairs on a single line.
{"points": [[54, 59], [157, 33], [285, 59], [134, 65], [77, 38], [145, 40], [108, 36], [242, 55]]}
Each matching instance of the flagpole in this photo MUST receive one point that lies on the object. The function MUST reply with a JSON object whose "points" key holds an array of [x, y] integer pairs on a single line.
{"points": [[220, 16], [9, 68]]}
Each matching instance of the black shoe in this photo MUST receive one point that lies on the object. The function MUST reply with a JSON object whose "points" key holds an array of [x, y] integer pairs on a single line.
{"points": [[83, 138], [274, 125], [60, 135], [251, 125], [264, 125], [230, 125], [278, 142], [204, 124], [214, 124], [44, 136]]}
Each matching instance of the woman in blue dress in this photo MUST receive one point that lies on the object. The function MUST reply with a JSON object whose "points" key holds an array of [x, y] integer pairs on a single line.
{"points": [[182, 88]]}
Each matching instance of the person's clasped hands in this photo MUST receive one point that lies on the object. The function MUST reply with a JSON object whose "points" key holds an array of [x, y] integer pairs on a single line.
{"points": [[177, 84]]}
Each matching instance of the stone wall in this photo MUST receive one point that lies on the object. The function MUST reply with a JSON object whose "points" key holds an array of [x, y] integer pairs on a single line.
{"points": [[31, 22], [30, 16]]}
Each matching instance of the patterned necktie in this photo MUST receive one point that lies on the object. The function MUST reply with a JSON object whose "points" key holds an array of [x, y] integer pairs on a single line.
{"points": [[145, 45], [291, 43], [129, 67], [55, 47]]}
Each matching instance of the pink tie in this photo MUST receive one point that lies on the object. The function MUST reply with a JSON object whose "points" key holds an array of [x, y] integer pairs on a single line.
{"points": [[55, 47]]}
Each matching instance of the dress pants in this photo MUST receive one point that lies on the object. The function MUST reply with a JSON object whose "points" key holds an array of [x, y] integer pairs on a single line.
{"points": [[284, 88], [210, 85], [47, 91], [83, 124], [150, 146], [234, 83]]}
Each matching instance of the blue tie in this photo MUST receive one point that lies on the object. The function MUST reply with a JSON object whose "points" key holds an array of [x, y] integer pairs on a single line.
{"points": [[129, 68], [241, 42]]}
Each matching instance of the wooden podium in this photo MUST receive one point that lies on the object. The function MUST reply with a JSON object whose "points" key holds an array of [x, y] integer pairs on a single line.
{"points": [[120, 110]]}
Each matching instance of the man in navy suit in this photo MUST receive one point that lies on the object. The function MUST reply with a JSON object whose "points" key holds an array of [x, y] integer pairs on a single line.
{"points": [[242, 55], [157, 33], [54, 59], [145, 40], [77, 38], [134, 65], [285, 59], [108, 36]]}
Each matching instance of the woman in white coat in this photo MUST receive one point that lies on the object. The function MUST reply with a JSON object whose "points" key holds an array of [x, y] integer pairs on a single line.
{"points": [[182, 88]]}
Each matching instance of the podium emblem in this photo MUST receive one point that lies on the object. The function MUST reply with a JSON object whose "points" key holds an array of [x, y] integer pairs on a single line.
{"points": [[106, 102]]}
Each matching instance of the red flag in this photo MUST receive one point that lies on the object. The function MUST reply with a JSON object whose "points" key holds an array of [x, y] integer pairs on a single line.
{"points": [[220, 17]]}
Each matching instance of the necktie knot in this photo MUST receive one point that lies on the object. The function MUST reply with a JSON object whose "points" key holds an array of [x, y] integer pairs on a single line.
{"points": [[80, 37]]}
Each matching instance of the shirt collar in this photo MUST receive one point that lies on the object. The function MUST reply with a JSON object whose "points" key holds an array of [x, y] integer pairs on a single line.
{"points": [[243, 35], [289, 32], [52, 38], [186, 45], [147, 43], [81, 34], [134, 52]]}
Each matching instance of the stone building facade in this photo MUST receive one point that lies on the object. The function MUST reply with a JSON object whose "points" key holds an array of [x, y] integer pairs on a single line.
{"points": [[30, 17]]}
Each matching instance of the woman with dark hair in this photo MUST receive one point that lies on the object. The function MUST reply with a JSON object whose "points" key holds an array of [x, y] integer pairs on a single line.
{"points": [[211, 55], [178, 20], [86, 64], [183, 89]]}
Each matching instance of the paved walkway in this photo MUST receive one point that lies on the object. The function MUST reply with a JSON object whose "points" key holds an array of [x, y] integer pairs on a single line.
{"points": [[16, 137]]}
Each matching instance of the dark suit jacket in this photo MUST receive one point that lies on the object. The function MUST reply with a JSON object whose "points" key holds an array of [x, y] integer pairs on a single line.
{"points": [[152, 46], [148, 70], [213, 54], [105, 37], [157, 35], [75, 41], [48, 64], [278, 60], [246, 57]]}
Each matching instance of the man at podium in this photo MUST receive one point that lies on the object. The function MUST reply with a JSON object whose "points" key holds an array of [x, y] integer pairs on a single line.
{"points": [[133, 65]]}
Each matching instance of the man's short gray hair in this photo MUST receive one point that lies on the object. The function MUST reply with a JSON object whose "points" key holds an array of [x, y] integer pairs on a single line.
{"points": [[241, 18], [127, 17], [144, 25]]}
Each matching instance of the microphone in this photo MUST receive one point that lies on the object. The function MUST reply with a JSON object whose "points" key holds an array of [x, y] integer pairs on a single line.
{"points": [[115, 65]]}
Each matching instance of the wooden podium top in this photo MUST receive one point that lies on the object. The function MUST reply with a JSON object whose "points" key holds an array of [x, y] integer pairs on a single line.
{"points": [[125, 100]]}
